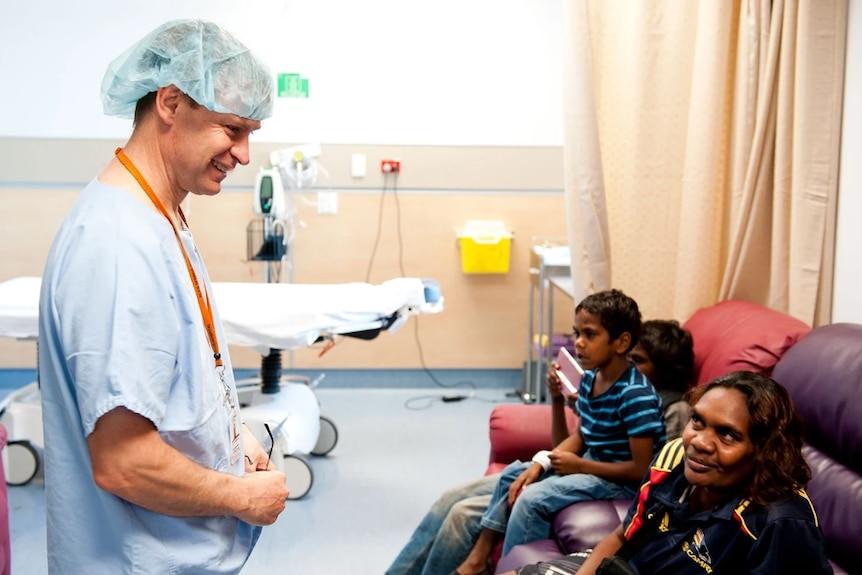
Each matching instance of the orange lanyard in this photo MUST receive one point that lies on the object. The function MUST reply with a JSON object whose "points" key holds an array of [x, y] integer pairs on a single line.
{"points": [[203, 303]]}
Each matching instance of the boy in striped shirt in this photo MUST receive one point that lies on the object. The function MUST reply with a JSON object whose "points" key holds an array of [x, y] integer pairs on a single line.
{"points": [[621, 429]]}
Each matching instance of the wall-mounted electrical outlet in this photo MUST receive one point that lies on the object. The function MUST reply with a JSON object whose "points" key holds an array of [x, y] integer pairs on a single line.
{"points": [[390, 166]]}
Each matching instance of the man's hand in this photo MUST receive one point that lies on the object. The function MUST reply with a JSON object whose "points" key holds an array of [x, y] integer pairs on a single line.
{"points": [[527, 477], [267, 493]]}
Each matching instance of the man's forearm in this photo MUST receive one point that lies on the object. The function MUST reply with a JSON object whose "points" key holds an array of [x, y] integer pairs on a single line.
{"points": [[131, 461]]}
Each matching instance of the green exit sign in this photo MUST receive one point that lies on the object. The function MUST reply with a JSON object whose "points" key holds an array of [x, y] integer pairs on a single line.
{"points": [[292, 86]]}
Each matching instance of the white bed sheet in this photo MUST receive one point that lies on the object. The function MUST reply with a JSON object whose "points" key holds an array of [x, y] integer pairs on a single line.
{"points": [[19, 307], [263, 315], [293, 316]]}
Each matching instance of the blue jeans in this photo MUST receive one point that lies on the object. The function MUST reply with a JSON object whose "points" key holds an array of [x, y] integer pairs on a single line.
{"points": [[531, 516], [447, 533]]}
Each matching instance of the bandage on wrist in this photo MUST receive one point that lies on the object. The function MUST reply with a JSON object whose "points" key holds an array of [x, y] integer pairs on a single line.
{"points": [[543, 458]]}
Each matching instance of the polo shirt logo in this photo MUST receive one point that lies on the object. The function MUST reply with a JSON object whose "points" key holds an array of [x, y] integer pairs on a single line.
{"points": [[697, 551], [664, 524]]}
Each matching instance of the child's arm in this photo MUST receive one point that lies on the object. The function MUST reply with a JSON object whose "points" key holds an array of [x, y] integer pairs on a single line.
{"points": [[559, 425], [573, 444], [532, 474], [633, 470]]}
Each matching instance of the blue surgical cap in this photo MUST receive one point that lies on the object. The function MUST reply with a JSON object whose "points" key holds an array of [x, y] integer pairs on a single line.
{"points": [[200, 58]]}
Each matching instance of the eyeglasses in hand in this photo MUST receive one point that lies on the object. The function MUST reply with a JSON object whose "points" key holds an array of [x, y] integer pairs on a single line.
{"points": [[271, 443]]}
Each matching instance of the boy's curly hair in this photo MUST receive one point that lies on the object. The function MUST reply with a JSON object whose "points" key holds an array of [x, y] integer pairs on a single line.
{"points": [[777, 433], [617, 312]]}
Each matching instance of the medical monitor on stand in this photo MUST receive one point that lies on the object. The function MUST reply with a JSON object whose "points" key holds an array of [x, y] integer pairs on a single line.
{"points": [[268, 237]]}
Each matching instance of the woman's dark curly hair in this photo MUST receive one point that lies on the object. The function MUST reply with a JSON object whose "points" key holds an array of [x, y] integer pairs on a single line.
{"points": [[670, 348], [617, 312], [776, 431]]}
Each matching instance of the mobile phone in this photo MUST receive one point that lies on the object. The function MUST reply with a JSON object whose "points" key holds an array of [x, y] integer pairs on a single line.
{"points": [[570, 372]]}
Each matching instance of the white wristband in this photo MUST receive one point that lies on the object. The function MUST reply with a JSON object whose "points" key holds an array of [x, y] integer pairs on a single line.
{"points": [[543, 459]]}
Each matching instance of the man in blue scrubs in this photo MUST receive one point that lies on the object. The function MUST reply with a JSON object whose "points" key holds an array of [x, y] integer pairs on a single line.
{"points": [[148, 467]]}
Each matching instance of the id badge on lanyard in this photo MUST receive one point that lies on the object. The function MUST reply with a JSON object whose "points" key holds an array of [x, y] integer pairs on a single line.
{"points": [[235, 425]]}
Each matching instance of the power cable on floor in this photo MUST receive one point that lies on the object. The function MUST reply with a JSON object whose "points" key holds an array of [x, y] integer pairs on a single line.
{"points": [[429, 400]]}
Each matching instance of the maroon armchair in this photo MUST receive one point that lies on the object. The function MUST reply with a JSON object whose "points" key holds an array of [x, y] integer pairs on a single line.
{"points": [[728, 336]]}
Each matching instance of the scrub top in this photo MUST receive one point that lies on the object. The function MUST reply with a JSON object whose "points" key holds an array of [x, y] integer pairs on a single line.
{"points": [[120, 326]]}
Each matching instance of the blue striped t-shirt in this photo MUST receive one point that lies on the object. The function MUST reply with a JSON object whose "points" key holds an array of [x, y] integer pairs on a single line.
{"points": [[631, 407]]}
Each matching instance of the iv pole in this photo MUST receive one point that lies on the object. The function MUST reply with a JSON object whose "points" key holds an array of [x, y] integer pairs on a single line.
{"points": [[273, 236]]}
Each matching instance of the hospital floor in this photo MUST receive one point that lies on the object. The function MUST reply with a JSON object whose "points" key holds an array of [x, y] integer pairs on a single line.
{"points": [[397, 450]]}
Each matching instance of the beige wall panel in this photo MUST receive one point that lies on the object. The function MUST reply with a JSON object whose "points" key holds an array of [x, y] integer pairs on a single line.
{"points": [[485, 319], [29, 219], [17, 354]]}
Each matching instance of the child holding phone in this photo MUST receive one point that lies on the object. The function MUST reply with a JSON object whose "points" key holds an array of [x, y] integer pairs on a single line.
{"points": [[621, 429]]}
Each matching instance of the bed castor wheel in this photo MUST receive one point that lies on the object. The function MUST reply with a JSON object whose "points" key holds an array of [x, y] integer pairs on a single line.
{"points": [[20, 462], [298, 476], [326, 438]]}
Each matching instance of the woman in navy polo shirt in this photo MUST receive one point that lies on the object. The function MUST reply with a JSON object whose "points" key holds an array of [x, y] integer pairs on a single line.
{"points": [[727, 497]]}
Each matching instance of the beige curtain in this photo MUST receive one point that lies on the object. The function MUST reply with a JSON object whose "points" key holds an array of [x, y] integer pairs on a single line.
{"points": [[582, 170], [701, 150], [785, 170]]}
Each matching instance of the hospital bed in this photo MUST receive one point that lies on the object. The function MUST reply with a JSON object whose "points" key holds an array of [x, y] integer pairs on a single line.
{"points": [[269, 317]]}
